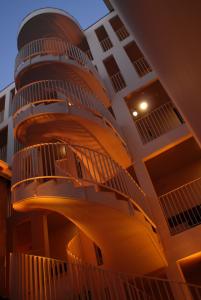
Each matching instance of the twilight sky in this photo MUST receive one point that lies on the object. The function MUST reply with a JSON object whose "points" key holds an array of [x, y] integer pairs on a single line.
{"points": [[12, 12]]}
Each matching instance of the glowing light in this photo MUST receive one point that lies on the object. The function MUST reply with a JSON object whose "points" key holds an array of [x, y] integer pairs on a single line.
{"points": [[143, 105], [135, 113]]}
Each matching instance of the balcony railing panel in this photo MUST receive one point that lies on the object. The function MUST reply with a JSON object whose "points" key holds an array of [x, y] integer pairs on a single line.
{"points": [[118, 81], [158, 122], [182, 206], [106, 44], [122, 33], [35, 277], [142, 67], [55, 47], [77, 163], [48, 91]]}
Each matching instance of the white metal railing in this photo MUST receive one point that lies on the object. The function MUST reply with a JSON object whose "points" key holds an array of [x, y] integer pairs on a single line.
{"points": [[3, 152], [106, 44], [52, 46], [77, 163], [159, 121], [142, 67], [34, 277], [118, 81], [49, 91], [122, 33], [182, 206]]}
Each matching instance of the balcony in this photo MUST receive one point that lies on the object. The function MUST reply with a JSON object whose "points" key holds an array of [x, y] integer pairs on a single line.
{"points": [[106, 44], [142, 67], [54, 47], [28, 100], [158, 122], [118, 82], [182, 206]]}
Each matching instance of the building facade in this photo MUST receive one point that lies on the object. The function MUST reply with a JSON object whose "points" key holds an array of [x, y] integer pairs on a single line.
{"points": [[98, 168]]}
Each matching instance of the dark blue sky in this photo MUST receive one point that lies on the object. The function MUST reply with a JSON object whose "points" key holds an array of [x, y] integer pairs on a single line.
{"points": [[12, 12]]}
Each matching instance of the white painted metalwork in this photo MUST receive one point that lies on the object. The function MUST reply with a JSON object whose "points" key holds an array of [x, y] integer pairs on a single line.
{"points": [[35, 277], [50, 91], [182, 206], [142, 67], [52, 46], [72, 162], [159, 121], [118, 81]]}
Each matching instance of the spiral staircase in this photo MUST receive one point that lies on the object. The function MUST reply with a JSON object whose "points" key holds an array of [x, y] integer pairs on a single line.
{"points": [[74, 158]]}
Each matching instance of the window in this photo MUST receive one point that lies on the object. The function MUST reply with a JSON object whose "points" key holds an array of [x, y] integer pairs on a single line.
{"points": [[2, 107], [99, 257], [114, 73], [12, 94], [137, 58], [103, 38], [119, 28], [3, 143], [84, 46]]}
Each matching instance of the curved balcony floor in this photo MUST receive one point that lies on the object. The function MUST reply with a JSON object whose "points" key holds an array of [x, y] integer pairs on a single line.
{"points": [[126, 239], [58, 121]]}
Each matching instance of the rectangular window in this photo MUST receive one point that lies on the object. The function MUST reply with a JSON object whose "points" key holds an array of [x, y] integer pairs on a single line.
{"points": [[103, 38], [12, 94], [99, 257], [114, 73], [137, 58], [84, 46], [119, 28], [2, 107], [3, 143]]}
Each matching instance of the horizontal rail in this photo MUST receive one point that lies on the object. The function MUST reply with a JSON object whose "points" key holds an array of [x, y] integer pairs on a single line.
{"points": [[35, 277], [52, 46], [51, 160], [118, 81], [122, 33], [182, 206], [159, 121], [142, 67]]}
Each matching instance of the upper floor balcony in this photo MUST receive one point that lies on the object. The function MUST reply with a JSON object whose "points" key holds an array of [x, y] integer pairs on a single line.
{"points": [[55, 47], [52, 96], [182, 206], [159, 121], [153, 112], [58, 59]]}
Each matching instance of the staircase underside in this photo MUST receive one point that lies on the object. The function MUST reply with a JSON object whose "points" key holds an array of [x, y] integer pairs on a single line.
{"points": [[127, 240]]}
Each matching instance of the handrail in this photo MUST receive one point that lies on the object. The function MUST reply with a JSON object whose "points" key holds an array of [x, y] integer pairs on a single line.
{"points": [[157, 122], [58, 278], [80, 163], [73, 94], [52, 46], [182, 206]]}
